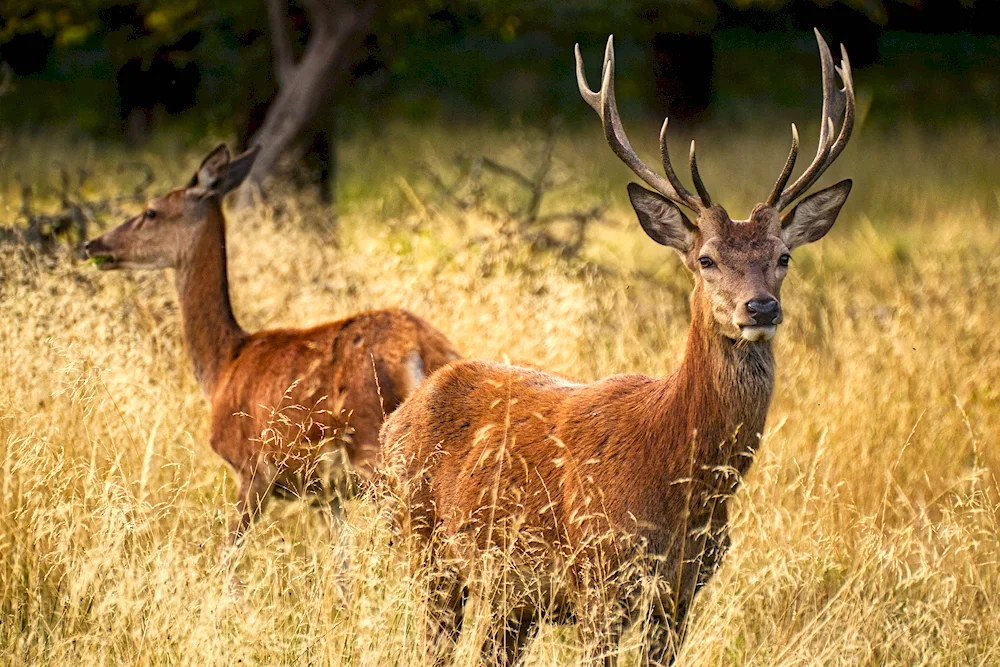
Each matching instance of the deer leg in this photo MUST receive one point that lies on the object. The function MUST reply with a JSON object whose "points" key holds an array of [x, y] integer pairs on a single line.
{"points": [[599, 632], [445, 611], [255, 489], [596, 607], [671, 618], [664, 637], [506, 643], [668, 623], [337, 481], [446, 592], [716, 545], [602, 644], [363, 449], [670, 612]]}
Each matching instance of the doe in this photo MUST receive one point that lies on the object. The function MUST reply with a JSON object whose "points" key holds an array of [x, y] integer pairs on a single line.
{"points": [[285, 402], [486, 455]]}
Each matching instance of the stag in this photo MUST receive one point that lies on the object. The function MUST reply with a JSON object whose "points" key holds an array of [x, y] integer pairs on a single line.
{"points": [[286, 404], [628, 479]]}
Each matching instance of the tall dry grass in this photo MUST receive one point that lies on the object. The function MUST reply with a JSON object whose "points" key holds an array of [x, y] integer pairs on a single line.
{"points": [[868, 531]]}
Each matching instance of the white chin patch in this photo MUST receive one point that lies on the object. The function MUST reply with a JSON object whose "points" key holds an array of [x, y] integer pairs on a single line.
{"points": [[755, 333]]}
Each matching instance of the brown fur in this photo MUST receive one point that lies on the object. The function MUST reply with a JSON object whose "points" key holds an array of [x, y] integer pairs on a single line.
{"points": [[482, 450], [284, 402], [628, 476]]}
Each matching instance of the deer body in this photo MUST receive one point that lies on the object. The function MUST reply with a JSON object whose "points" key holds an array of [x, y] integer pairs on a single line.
{"points": [[290, 400], [656, 459], [584, 440], [285, 403], [627, 478]]}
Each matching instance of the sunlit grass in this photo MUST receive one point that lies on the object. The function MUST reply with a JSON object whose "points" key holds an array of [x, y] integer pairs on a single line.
{"points": [[867, 531]]}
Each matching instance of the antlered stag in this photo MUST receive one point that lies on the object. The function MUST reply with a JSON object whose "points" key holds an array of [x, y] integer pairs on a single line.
{"points": [[285, 402], [630, 473]]}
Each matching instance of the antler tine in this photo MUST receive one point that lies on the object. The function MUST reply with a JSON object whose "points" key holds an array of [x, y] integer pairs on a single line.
{"points": [[840, 95], [606, 106], [836, 101], [699, 185], [829, 87], [589, 96], [815, 169], [779, 186], [683, 193], [615, 133], [849, 107]]}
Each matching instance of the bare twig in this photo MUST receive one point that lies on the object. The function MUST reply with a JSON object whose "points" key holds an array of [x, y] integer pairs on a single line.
{"points": [[541, 173], [509, 172], [466, 192], [45, 230], [148, 176]]}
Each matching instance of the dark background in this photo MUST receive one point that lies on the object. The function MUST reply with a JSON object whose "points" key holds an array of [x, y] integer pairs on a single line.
{"points": [[123, 70]]}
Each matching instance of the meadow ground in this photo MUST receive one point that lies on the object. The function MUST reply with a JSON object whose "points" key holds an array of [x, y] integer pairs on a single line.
{"points": [[867, 532]]}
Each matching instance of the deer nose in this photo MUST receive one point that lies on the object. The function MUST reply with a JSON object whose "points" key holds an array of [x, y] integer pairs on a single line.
{"points": [[764, 311], [94, 246]]}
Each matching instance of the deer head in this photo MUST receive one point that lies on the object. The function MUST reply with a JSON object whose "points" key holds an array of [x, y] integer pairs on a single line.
{"points": [[169, 227], [738, 265]]}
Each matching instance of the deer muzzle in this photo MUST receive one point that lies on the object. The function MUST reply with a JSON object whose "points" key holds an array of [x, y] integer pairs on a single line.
{"points": [[764, 315], [764, 311], [98, 250]]}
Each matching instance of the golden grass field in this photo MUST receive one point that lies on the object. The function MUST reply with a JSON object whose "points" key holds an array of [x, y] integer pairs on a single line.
{"points": [[867, 532]]}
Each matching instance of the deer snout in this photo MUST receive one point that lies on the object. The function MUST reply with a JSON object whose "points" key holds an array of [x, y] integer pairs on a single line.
{"points": [[95, 247], [764, 311], [100, 253]]}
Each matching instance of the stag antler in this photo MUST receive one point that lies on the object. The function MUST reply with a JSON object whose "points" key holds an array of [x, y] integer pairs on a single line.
{"points": [[604, 104], [836, 101]]}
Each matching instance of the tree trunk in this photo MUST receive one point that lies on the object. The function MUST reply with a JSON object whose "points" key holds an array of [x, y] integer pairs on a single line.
{"points": [[683, 65], [335, 28], [321, 157]]}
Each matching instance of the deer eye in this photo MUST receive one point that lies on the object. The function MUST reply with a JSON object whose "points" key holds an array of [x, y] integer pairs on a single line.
{"points": [[706, 262], [784, 259], [149, 214]]}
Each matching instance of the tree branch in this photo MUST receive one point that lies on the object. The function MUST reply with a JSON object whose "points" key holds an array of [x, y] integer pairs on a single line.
{"points": [[7, 75], [336, 29], [284, 63], [323, 13]]}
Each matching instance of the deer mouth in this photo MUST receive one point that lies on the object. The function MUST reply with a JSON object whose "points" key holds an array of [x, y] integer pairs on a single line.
{"points": [[103, 261], [755, 332], [100, 255]]}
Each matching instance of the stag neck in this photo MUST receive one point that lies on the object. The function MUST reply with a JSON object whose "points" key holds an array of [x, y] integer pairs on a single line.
{"points": [[730, 364], [211, 332], [725, 387]]}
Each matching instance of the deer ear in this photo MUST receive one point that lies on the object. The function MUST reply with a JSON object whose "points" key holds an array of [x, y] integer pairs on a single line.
{"points": [[661, 219], [238, 170], [813, 217], [210, 173]]}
